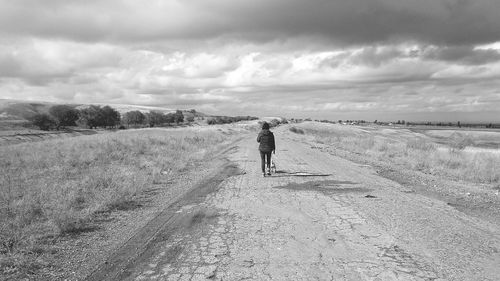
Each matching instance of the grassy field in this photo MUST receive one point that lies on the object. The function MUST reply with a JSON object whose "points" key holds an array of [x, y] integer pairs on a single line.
{"points": [[55, 187], [453, 154]]}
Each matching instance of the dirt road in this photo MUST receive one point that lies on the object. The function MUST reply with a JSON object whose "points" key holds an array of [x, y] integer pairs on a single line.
{"points": [[342, 222]]}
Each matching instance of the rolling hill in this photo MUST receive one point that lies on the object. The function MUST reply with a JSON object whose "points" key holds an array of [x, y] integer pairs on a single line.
{"points": [[16, 110]]}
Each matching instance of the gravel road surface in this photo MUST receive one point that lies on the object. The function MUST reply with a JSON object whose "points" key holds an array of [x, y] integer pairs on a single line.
{"points": [[320, 217]]}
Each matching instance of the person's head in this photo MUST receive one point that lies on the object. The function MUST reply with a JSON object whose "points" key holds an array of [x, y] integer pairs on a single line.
{"points": [[265, 126]]}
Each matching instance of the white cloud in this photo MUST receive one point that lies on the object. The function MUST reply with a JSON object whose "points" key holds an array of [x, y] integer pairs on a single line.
{"points": [[491, 46], [275, 56]]}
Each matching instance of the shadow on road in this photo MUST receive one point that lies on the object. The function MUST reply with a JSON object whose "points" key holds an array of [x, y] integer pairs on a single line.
{"points": [[326, 186], [298, 174]]}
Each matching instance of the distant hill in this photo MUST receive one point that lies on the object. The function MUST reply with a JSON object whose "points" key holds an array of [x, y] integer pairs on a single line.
{"points": [[122, 108], [21, 110], [24, 110]]}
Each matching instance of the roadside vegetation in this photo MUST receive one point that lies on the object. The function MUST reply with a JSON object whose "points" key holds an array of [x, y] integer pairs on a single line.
{"points": [[95, 116], [71, 116], [414, 151], [227, 119], [296, 130], [59, 187]]}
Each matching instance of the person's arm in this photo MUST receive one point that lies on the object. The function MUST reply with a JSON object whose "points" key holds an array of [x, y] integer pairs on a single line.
{"points": [[274, 144], [258, 138]]}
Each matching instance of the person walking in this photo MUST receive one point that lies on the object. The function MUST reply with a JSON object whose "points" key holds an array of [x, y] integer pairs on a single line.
{"points": [[266, 147]]}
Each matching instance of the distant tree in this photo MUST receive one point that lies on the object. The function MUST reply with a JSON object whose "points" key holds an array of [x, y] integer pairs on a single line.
{"points": [[169, 118], [111, 116], [43, 121], [92, 117], [134, 117], [178, 117], [190, 118], [155, 118], [459, 125], [64, 115]]}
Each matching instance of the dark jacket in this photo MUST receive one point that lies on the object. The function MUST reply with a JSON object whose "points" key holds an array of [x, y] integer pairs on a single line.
{"points": [[266, 140]]}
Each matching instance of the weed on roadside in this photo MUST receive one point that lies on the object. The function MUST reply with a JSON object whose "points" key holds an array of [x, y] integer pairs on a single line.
{"points": [[297, 130], [415, 152], [57, 187]]}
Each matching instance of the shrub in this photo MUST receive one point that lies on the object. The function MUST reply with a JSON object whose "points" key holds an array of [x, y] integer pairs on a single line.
{"points": [[227, 119], [460, 141], [297, 130], [420, 144]]}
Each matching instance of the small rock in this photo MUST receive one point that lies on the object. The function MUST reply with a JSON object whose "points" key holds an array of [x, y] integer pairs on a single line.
{"points": [[248, 263]]}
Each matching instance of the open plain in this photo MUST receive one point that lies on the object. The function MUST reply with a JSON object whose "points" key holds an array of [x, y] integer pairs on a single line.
{"points": [[346, 203]]}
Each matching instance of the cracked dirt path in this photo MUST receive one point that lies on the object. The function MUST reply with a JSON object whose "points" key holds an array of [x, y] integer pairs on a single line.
{"points": [[350, 225]]}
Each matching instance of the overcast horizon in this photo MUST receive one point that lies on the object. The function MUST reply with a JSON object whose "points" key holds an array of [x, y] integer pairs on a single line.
{"points": [[356, 59]]}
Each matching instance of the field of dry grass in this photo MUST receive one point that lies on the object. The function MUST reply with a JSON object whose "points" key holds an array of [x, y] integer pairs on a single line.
{"points": [[55, 187], [450, 156]]}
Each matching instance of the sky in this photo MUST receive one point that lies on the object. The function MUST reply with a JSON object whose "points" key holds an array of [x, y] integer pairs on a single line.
{"points": [[323, 59]]}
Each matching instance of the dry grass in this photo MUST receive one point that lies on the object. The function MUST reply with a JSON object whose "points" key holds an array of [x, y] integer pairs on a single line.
{"points": [[56, 187], [414, 151]]}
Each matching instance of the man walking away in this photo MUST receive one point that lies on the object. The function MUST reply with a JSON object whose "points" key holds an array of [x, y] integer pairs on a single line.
{"points": [[266, 146]]}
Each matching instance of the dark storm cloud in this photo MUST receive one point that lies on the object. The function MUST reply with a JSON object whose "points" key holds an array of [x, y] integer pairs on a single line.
{"points": [[462, 55], [255, 57], [375, 57], [453, 22]]}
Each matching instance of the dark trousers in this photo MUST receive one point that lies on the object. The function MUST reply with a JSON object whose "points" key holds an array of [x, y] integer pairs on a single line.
{"points": [[265, 157]]}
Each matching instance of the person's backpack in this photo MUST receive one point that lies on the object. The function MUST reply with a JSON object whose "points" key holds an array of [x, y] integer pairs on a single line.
{"points": [[267, 141]]}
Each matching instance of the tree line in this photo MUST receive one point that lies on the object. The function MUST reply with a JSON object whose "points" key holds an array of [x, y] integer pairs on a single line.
{"points": [[154, 118], [228, 119], [96, 116]]}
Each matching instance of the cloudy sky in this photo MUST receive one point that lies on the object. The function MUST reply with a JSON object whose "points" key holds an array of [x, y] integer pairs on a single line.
{"points": [[335, 59]]}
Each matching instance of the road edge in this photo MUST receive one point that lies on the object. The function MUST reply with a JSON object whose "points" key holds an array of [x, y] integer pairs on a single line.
{"points": [[118, 265]]}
